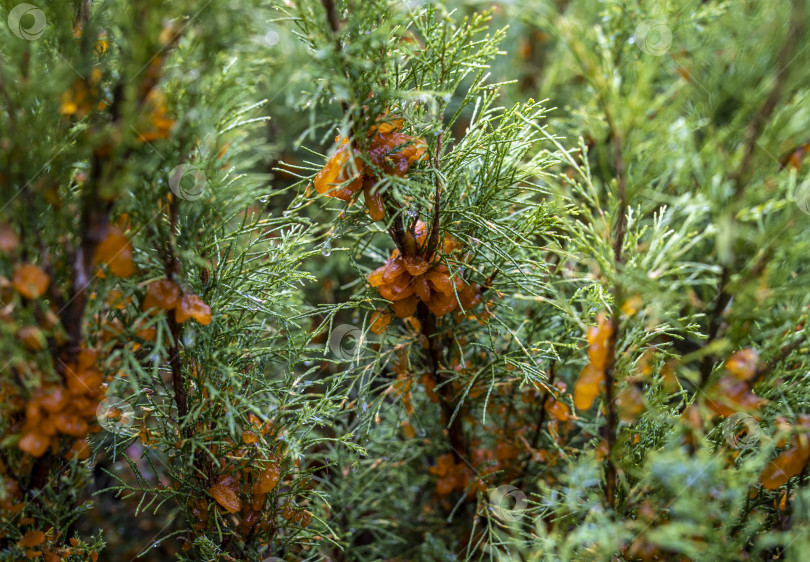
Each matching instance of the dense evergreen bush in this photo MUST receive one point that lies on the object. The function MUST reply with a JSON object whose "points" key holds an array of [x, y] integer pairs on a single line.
{"points": [[386, 280]]}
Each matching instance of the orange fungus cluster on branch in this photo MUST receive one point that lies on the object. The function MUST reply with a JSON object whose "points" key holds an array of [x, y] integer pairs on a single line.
{"points": [[792, 461], [732, 393], [164, 294], [390, 152], [452, 476], [115, 251], [405, 280], [591, 381], [30, 281], [245, 492], [56, 410]]}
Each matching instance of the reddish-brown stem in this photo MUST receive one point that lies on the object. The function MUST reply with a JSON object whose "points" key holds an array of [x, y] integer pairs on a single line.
{"points": [[94, 219], [455, 432], [172, 268], [610, 379], [610, 413]]}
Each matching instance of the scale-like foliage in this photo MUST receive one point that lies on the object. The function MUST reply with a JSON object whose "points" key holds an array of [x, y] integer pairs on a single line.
{"points": [[322, 280]]}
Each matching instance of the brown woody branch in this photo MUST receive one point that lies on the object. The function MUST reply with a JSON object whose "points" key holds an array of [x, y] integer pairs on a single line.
{"points": [[455, 431], [610, 379]]}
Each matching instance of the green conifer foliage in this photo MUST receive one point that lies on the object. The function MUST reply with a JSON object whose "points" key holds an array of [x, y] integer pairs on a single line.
{"points": [[397, 280]]}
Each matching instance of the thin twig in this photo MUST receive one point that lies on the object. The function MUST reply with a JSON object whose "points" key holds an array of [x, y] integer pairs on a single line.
{"points": [[433, 239]]}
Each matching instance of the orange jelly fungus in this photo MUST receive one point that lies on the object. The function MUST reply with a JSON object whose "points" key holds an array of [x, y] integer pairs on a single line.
{"points": [[730, 395], [56, 410], [32, 538], [787, 464], [452, 476], [248, 437], [743, 363], [591, 380], [390, 152], [395, 152], [332, 179], [80, 98], [31, 337], [374, 201], [192, 306], [80, 449], [630, 403], [30, 281], [407, 280], [225, 492], [379, 321], [116, 252], [266, 480], [157, 124], [790, 462], [557, 409], [162, 294]]}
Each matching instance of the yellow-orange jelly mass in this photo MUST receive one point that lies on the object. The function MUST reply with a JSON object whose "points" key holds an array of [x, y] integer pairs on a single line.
{"points": [[116, 251], [390, 152], [30, 281], [56, 410], [591, 380], [226, 492], [192, 306], [165, 295], [787, 464], [407, 280]]}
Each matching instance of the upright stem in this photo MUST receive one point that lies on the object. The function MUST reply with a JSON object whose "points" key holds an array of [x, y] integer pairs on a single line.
{"points": [[610, 379], [433, 239], [94, 220], [172, 269], [455, 432]]}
